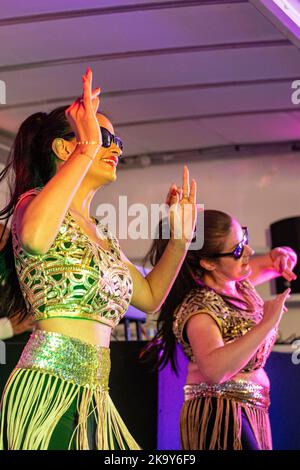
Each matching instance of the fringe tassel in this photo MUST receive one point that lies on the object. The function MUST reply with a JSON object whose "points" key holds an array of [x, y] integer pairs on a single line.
{"points": [[198, 433], [260, 424], [34, 402]]}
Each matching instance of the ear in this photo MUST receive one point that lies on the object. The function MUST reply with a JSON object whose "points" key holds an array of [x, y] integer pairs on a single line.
{"points": [[208, 265], [62, 148]]}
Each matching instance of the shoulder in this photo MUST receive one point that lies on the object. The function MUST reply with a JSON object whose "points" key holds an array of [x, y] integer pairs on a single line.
{"points": [[202, 298], [24, 199], [30, 193], [199, 301], [22, 202]]}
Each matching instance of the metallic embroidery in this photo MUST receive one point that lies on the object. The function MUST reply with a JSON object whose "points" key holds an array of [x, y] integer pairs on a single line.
{"points": [[248, 393], [232, 321], [76, 278]]}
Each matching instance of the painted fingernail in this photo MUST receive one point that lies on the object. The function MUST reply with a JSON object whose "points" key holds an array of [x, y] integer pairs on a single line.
{"points": [[173, 192]]}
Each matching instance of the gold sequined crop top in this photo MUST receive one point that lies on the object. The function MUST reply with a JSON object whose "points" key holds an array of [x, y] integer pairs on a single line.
{"points": [[76, 278], [232, 321]]}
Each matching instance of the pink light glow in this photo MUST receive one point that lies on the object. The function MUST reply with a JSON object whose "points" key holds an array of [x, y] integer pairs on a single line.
{"points": [[291, 8]]}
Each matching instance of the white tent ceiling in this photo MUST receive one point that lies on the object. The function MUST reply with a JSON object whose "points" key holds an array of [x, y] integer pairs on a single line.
{"points": [[176, 76]]}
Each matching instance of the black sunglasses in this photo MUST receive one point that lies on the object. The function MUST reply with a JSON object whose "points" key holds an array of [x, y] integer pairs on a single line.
{"points": [[237, 253], [107, 138]]}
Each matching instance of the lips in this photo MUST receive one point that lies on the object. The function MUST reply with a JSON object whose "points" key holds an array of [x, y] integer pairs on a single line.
{"points": [[113, 161]]}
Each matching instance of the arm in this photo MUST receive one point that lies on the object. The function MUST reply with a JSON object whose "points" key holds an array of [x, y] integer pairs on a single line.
{"points": [[149, 292], [38, 218], [219, 362], [278, 262]]}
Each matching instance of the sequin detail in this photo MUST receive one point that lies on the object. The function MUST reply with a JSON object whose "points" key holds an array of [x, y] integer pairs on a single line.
{"points": [[76, 278], [232, 321], [68, 358], [248, 393]]}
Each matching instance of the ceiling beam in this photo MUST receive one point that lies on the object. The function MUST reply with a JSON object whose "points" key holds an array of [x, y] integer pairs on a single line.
{"points": [[144, 53], [154, 90], [118, 9], [197, 117]]}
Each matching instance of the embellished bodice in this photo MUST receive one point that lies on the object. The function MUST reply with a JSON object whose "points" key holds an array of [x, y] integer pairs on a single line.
{"points": [[76, 278], [233, 322]]}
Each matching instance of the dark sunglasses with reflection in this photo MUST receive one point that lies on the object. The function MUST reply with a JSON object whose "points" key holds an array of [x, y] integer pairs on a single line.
{"points": [[107, 138], [237, 253]]}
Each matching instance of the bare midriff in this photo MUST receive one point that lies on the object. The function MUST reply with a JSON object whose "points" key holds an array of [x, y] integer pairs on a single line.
{"points": [[88, 331], [258, 376]]}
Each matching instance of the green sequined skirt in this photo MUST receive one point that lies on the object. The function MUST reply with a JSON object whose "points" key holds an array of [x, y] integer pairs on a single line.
{"points": [[57, 397]]}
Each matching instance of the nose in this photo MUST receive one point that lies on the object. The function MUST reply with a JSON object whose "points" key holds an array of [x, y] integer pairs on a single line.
{"points": [[115, 150], [249, 251]]}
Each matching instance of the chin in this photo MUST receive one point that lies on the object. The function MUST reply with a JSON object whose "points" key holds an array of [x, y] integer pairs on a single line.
{"points": [[106, 178], [113, 177], [246, 271]]}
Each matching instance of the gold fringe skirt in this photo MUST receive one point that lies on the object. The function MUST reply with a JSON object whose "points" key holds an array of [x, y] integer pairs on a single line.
{"points": [[211, 416], [54, 372]]}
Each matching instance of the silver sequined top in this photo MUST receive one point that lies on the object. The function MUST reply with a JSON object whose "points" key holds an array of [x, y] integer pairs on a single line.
{"points": [[232, 321], [76, 278]]}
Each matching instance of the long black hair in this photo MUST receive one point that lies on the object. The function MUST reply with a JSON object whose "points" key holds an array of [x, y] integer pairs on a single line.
{"points": [[31, 163], [217, 225]]}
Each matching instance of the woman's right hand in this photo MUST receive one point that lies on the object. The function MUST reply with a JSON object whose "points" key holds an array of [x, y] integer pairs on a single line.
{"points": [[82, 113], [274, 309]]}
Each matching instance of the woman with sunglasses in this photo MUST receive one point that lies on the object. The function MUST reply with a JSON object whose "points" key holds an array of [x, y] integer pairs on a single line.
{"points": [[74, 279], [226, 331]]}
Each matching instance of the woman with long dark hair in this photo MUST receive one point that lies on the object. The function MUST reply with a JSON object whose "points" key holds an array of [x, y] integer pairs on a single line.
{"points": [[16, 324], [226, 331], [69, 273]]}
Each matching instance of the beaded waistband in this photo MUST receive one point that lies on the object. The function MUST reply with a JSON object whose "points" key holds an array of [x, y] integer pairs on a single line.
{"points": [[68, 358], [249, 393]]}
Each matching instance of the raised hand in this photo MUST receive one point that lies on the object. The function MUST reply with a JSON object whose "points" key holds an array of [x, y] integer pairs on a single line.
{"points": [[81, 114], [183, 210], [284, 259], [274, 309]]}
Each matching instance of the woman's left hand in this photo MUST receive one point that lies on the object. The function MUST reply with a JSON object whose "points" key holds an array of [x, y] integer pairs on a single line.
{"points": [[284, 259], [183, 210]]}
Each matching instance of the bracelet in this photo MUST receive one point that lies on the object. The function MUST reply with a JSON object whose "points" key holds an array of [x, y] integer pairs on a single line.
{"points": [[88, 142]]}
